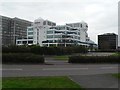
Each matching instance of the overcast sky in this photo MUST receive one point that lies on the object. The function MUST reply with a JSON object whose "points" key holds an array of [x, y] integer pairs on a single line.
{"points": [[101, 15]]}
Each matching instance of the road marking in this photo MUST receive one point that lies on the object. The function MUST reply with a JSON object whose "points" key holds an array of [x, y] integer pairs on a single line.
{"points": [[108, 67], [11, 69], [65, 68]]}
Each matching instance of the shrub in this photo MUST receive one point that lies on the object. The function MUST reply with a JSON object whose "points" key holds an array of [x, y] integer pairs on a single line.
{"points": [[21, 58], [15, 49], [45, 50], [36, 50], [94, 59], [80, 49]]}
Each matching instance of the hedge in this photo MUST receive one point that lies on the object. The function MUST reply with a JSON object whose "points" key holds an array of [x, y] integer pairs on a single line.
{"points": [[15, 49], [94, 59], [21, 58], [44, 50]]}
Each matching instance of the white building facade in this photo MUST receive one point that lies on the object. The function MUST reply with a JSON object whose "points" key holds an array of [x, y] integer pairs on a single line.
{"points": [[40, 27], [47, 33]]}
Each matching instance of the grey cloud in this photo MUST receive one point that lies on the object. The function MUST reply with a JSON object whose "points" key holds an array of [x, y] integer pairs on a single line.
{"points": [[101, 15]]}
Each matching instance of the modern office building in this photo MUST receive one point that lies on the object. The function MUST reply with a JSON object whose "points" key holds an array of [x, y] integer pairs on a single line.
{"points": [[47, 33], [6, 30], [28, 40], [13, 28], [119, 24], [107, 41]]}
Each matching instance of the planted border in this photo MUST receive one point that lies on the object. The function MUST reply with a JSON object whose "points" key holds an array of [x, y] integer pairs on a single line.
{"points": [[44, 50], [21, 58], [94, 59]]}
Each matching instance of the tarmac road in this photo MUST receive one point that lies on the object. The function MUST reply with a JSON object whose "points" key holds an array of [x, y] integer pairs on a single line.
{"points": [[57, 70]]}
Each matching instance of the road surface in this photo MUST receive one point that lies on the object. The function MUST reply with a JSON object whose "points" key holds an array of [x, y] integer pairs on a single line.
{"points": [[57, 70]]}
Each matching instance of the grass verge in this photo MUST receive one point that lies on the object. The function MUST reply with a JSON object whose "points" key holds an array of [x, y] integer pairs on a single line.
{"points": [[117, 75], [115, 54], [64, 58], [39, 82]]}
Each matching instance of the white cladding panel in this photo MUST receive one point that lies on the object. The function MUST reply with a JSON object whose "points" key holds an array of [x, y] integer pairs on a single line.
{"points": [[83, 35]]}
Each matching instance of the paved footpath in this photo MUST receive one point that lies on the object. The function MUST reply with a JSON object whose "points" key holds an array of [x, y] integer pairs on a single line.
{"points": [[96, 81]]}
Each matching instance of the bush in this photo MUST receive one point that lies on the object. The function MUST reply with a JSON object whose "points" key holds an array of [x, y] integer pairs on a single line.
{"points": [[94, 59], [45, 50], [16, 49], [21, 58]]}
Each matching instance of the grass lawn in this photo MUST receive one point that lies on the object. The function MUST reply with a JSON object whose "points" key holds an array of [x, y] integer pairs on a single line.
{"points": [[61, 57], [116, 54], [39, 82], [117, 75]]}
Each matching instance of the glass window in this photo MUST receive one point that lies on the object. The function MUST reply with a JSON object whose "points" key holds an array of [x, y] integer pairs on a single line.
{"points": [[75, 37], [24, 42], [30, 29], [58, 32], [30, 37], [52, 28], [57, 36], [78, 33], [68, 28], [87, 26], [37, 22], [49, 23], [61, 28], [50, 41], [81, 25], [49, 36], [49, 32], [44, 23], [30, 33], [76, 25], [19, 42], [30, 42], [53, 24], [71, 32]]}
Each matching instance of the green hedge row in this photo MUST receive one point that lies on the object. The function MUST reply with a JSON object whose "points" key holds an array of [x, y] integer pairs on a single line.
{"points": [[15, 49], [94, 59], [21, 58], [44, 50]]}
